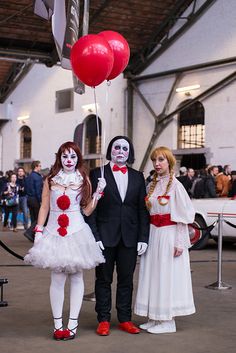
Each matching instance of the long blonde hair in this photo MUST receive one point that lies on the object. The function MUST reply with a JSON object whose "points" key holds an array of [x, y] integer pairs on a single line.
{"points": [[166, 152]]}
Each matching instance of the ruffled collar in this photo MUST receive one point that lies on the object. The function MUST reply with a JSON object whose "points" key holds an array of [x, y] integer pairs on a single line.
{"points": [[163, 177], [64, 179]]}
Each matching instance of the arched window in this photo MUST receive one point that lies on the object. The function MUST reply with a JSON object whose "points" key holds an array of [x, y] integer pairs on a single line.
{"points": [[191, 126], [92, 141], [25, 142]]}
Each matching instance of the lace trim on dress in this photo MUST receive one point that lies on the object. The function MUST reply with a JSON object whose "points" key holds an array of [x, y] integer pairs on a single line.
{"points": [[182, 238], [66, 180]]}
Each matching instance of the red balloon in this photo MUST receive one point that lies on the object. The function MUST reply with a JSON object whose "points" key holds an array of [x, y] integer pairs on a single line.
{"points": [[92, 59], [121, 52]]}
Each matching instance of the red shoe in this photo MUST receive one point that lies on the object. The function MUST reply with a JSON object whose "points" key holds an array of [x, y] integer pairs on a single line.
{"points": [[58, 334], [129, 327], [103, 328]]}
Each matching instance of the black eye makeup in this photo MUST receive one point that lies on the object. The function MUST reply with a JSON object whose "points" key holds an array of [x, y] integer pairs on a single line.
{"points": [[117, 147]]}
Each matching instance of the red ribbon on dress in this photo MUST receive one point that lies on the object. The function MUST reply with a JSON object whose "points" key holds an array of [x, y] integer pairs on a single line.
{"points": [[163, 197], [161, 220], [116, 168]]}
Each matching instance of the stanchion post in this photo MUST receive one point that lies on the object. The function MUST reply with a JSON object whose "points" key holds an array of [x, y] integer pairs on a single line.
{"points": [[219, 284], [2, 282]]}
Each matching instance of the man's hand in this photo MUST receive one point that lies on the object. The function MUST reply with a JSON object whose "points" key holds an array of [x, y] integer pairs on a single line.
{"points": [[101, 185], [141, 247], [100, 244]]}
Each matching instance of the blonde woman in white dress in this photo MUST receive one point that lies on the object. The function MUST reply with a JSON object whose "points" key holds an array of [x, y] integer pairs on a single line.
{"points": [[165, 287]]}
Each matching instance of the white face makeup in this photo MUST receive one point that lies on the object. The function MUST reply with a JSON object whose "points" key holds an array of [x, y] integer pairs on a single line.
{"points": [[120, 152], [69, 160]]}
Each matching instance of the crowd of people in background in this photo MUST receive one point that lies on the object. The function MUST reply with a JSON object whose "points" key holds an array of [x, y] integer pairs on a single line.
{"points": [[20, 193], [210, 182]]}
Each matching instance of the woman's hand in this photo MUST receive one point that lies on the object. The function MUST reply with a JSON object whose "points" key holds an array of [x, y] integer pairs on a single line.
{"points": [[38, 233], [177, 252]]}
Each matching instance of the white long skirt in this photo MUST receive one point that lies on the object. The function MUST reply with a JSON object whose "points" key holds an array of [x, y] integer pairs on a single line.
{"points": [[164, 286]]}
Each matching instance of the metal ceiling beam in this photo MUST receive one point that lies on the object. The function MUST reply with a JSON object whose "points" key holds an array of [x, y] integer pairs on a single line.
{"points": [[185, 69], [158, 118], [145, 57], [18, 71], [47, 59], [206, 94], [22, 62], [163, 120]]}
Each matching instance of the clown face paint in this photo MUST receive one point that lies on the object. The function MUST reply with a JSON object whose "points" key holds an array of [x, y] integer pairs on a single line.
{"points": [[120, 152], [69, 160]]}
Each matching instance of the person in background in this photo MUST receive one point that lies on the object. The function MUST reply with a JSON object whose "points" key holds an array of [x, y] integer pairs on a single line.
{"points": [[185, 179], [22, 195], [3, 182], [34, 186], [227, 170], [232, 188], [66, 245], [164, 284], [222, 183], [191, 178], [191, 173], [11, 197], [210, 182], [150, 177]]}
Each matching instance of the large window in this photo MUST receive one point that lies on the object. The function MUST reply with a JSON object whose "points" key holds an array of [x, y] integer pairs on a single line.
{"points": [[191, 131], [25, 142], [92, 141]]}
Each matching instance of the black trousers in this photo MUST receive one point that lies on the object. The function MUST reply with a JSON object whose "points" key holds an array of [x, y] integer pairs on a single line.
{"points": [[13, 210], [125, 260], [34, 207]]}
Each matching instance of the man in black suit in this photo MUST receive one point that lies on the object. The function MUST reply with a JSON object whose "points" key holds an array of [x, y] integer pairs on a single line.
{"points": [[120, 225]]}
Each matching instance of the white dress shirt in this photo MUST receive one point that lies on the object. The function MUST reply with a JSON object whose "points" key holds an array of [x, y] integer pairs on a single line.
{"points": [[121, 181]]}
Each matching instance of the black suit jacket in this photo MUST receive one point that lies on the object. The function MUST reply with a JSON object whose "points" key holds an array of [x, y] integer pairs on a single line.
{"points": [[113, 219]]}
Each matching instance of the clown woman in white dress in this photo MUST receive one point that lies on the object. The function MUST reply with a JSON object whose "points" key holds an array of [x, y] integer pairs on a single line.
{"points": [[165, 287], [66, 244]]}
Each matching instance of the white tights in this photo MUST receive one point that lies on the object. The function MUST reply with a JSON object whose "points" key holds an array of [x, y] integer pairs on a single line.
{"points": [[57, 288]]}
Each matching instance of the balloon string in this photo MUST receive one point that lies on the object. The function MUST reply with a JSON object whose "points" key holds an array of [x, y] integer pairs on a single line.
{"points": [[98, 133]]}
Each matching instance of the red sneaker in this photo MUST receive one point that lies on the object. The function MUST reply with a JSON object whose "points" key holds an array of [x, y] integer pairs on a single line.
{"points": [[103, 328], [129, 327]]}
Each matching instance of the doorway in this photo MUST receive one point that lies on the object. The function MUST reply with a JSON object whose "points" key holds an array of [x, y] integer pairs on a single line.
{"points": [[194, 161]]}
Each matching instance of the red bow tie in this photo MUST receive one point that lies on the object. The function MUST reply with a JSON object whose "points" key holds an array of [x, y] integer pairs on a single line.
{"points": [[116, 168]]}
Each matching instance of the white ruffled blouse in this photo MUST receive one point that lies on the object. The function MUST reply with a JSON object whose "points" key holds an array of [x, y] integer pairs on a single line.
{"points": [[179, 206]]}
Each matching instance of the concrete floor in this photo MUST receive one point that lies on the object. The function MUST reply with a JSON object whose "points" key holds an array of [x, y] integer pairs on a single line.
{"points": [[26, 323]]}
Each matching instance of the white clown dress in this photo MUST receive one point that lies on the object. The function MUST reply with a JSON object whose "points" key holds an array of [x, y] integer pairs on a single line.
{"points": [[165, 286], [75, 251]]}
